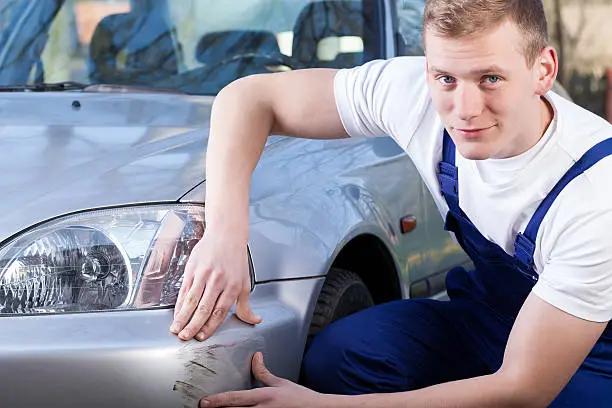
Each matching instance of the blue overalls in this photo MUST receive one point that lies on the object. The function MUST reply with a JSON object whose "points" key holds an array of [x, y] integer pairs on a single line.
{"points": [[410, 344]]}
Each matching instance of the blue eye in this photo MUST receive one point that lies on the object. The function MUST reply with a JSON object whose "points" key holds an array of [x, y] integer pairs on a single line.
{"points": [[493, 79], [446, 80]]}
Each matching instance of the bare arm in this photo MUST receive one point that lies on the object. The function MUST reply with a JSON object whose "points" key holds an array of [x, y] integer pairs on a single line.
{"points": [[545, 349], [298, 103]]}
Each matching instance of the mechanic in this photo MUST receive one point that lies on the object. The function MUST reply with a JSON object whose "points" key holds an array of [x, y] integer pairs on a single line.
{"points": [[521, 176]]}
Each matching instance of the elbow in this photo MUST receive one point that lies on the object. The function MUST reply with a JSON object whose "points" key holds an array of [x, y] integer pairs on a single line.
{"points": [[233, 90], [241, 87], [523, 391], [522, 398], [249, 93]]}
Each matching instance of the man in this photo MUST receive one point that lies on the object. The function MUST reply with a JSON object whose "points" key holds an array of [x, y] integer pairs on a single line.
{"points": [[521, 177]]}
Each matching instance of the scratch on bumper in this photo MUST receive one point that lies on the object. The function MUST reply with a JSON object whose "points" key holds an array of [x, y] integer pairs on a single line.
{"points": [[209, 369]]}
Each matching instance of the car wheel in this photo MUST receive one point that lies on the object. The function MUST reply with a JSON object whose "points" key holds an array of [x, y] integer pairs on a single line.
{"points": [[343, 293]]}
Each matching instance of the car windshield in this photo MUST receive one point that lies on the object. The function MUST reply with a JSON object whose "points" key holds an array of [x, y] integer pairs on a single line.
{"points": [[193, 46]]}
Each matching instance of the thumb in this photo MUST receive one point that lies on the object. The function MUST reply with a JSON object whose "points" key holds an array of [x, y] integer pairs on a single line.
{"points": [[243, 309], [262, 374]]}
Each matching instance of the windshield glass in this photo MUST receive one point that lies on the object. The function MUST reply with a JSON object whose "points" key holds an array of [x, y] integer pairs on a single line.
{"points": [[194, 46]]}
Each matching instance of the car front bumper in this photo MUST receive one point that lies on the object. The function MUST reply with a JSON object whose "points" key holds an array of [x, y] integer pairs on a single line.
{"points": [[129, 358]]}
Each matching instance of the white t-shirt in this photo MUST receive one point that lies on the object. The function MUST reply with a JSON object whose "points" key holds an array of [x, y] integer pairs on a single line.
{"points": [[573, 254]]}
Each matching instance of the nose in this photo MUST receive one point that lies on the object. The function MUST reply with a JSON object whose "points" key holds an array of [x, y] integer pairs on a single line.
{"points": [[469, 102]]}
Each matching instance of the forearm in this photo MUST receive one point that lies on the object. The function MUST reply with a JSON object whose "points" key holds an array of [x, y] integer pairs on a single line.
{"points": [[240, 124], [492, 391]]}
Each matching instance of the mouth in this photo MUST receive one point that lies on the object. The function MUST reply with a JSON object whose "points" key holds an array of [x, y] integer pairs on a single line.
{"points": [[472, 133]]}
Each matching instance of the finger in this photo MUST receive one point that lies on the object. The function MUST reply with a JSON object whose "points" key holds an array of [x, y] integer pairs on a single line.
{"points": [[247, 398], [185, 286], [192, 299], [220, 311], [188, 278], [262, 373], [203, 311], [243, 308]]}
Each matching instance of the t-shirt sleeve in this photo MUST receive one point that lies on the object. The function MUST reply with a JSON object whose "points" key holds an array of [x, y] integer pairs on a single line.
{"points": [[577, 274], [383, 98]]}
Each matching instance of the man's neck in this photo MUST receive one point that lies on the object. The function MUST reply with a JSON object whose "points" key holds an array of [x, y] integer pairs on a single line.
{"points": [[542, 121], [547, 115]]}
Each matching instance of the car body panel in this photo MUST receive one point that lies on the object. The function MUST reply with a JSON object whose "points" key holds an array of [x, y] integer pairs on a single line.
{"points": [[115, 150], [70, 152], [129, 358], [366, 172], [119, 150]]}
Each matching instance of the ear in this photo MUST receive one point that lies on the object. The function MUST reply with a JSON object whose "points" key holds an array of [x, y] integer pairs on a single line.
{"points": [[546, 68]]}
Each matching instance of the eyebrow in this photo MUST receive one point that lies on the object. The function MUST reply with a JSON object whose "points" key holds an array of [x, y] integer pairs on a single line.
{"points": [[478, 72]]}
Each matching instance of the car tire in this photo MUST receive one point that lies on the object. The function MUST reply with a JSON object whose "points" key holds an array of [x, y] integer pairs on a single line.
{"points": [[343, 293]]}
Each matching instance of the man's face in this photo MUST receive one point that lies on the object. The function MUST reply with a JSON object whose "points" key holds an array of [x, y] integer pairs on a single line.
{"points": [[484, 92]]}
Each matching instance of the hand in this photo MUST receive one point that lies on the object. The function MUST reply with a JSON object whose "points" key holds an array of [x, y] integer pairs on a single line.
{"points": [[278, 393], [216, 276]]}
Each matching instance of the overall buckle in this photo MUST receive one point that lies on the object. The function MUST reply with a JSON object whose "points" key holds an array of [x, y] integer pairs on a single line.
{"points": [[523, 253]]}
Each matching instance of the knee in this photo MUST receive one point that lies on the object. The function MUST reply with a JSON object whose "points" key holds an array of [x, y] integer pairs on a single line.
{"points": [[323, 362]]}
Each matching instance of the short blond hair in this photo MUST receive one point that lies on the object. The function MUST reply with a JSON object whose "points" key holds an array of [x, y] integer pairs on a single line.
{"points": [[462, 18]]}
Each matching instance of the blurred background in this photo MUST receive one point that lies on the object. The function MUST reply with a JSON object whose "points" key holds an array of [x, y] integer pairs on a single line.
{"points": [[581, 30]]}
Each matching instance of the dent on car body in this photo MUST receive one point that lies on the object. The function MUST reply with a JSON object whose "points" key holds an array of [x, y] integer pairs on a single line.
{"points": [[223, 362], [201, 367], [75, 151]]}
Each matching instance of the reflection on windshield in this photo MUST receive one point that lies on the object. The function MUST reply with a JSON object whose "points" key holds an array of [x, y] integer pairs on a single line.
{"points": [[194, 46]]}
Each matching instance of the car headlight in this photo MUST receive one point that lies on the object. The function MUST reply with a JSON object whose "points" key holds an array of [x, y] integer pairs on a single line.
{"points": [[123, 258]]}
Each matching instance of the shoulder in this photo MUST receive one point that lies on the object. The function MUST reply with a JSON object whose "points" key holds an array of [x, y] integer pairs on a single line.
{"points": [[383, 97], [578, 132], [582, 131], [583, 210], [580, 219], [393, 71], [576, 248], [413, 67], [579, 129]]}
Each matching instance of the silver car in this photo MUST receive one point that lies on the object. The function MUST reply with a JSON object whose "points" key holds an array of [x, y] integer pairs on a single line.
{"points": [[104, 119]]}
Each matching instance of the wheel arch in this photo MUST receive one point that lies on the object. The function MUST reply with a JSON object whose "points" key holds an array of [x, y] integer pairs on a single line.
{"points": [[370, 258]]}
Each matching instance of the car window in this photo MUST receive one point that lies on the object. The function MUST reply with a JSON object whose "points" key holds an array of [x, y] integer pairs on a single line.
{"points": [[7, 7], [195, 46], [409, 24]]}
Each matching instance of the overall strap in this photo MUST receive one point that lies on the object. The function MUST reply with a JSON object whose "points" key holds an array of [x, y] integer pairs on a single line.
{"points": [[524, 244], [448, 174]]}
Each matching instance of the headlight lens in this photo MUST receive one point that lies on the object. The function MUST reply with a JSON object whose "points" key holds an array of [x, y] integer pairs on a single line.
{"points": [[125, 258]]}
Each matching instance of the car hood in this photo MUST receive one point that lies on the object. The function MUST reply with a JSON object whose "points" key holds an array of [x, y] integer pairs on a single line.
{"points": [[67, 152]]}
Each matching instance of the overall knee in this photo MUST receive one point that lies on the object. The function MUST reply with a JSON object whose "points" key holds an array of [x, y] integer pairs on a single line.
{"points": [[323, 362]]}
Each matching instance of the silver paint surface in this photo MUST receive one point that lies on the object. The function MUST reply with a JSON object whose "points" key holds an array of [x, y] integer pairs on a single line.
{"points": [[129, 359], [309, 199]]}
